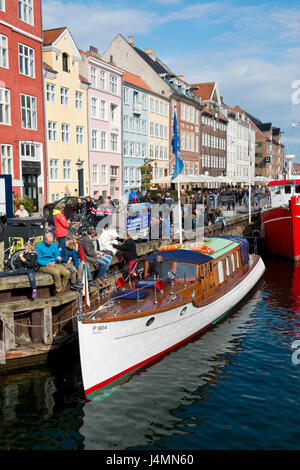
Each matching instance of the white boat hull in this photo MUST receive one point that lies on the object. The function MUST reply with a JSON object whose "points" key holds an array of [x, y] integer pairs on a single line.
{"points": [[111, 350]]}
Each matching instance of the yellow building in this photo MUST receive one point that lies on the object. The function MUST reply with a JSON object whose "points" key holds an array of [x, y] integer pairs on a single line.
{"points": [[66, 116]]}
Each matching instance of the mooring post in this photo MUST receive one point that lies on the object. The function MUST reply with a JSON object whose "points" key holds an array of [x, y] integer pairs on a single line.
{"points": [[47, 330]]}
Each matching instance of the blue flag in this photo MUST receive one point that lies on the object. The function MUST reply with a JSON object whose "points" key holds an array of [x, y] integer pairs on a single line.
{"points": [[176, 150]]}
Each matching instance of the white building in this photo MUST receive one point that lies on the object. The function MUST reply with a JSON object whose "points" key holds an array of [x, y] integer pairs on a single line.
{"points": [[240, 144]]}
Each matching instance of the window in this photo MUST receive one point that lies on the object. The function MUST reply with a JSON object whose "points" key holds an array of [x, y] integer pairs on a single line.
{"points": [[102, 80], [95, 139], [237, 260], [6, 159], [152, 104], [79, 135], [114, 142], [156, 106], [156, 130], [126, 122], [52, 131], [2, 5], [113, 111], [65, 62], [145, 102], [103, 140], [64, 96], [94, 106], [104, 174], [151, 128], [29, 151], [94, 76], [103, 110], [25, 11], [65, 133], [125, 95], [227, 267], [28, 112], [287, 189], [50, 92], [182, 111], [3, 52], [232, 262], [4, 106], [220, 271], [114, 84], [78, 100], [125, 147], [67, 169], [96, 174], [53, 169], [54, 197]]}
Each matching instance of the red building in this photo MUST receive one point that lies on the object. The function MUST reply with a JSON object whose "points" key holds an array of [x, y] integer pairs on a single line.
{"points": [[22, 132]]}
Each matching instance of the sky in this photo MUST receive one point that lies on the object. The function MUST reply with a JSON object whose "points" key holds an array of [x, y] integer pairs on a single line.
{"points": [[250, 48]]}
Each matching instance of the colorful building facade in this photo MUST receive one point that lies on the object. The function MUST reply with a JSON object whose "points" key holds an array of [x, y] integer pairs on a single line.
{"points": [[22, 132], [104, 110], [135, 131], [66, 116]]}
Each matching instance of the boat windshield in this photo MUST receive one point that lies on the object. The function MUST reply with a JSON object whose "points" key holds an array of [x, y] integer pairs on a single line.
{"points": [[157, 269], [186, 270]]}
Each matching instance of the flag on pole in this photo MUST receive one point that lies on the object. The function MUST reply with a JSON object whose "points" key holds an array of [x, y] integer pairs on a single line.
{"points": [[176, 150]]}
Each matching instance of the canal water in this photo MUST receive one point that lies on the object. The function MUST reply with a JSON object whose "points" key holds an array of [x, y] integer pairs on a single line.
{"points": [[235, 387]]}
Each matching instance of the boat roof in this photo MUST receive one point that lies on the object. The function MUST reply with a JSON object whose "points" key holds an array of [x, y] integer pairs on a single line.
{"points": [[220, 245], [283, 182], [181, 256]]}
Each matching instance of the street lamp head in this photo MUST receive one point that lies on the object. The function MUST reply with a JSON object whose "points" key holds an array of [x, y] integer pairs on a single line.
{"points": [[79, 162]]}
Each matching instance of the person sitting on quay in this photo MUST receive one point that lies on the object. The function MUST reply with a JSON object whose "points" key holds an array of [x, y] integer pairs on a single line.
{"points": [[99, 261], [82, 261], [25, 264], [71, 263], [21, 212], [128, 250], [50, 262], [61, 226]]}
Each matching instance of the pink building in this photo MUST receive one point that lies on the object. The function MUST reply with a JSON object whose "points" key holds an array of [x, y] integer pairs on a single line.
{"points": [[104, 124]]}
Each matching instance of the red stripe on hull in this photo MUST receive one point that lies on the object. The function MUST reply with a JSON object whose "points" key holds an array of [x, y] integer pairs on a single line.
{"points": [[281, 230]]}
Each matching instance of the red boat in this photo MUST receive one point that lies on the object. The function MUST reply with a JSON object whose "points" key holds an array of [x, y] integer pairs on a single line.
{"points": [[280, 222]]}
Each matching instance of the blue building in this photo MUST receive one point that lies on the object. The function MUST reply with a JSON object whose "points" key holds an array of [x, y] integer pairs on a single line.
{"points": [[135, 131]]}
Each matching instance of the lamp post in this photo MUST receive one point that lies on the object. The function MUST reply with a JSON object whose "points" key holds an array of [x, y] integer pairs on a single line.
{"points": [[79, 165]]}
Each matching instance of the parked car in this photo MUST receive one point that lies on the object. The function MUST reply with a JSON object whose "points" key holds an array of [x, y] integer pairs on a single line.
{"points": [[70, 203]]}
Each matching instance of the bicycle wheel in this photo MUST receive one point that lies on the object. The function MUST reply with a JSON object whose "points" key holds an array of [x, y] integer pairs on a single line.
{"points": [[14, 258]]}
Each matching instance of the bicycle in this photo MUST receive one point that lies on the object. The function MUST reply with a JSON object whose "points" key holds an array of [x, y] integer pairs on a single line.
{"points": [[81, 227], [15, 249]]}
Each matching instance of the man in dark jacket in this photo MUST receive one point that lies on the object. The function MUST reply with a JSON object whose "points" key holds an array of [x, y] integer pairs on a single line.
{"points": [[128, 249], [3, 220]]}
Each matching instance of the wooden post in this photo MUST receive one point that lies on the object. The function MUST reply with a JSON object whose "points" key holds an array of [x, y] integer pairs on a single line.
{"points": [[9, 331], [47, 330]]}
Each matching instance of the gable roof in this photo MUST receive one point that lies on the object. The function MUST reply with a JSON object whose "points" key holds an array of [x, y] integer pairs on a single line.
{"points": [[135, 80], [51, 35], [204, 90]]}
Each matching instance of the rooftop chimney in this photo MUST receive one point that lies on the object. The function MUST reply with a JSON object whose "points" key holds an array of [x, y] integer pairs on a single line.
{"points": [[181, 77], [94, 50], [111, 60], [151, 53], [131, 40]]}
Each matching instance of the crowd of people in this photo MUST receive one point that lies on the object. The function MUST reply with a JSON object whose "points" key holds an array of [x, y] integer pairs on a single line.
{"points": [[66, 256]]}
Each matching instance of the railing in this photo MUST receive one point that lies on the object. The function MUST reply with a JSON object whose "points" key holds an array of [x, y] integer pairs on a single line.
{"points": [[111, 303]]}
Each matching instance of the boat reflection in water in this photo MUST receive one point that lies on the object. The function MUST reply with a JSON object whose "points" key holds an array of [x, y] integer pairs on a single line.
{"points": [[138, 412]]}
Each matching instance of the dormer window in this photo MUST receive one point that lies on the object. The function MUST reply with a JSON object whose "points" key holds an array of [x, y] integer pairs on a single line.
{"points": [[65, 60]]}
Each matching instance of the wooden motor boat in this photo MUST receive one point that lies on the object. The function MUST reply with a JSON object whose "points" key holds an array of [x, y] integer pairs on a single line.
{"points": [[182, 292]]}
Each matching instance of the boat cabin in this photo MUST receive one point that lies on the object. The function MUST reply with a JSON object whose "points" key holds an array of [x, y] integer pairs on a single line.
{"points": [[281, 191]]}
